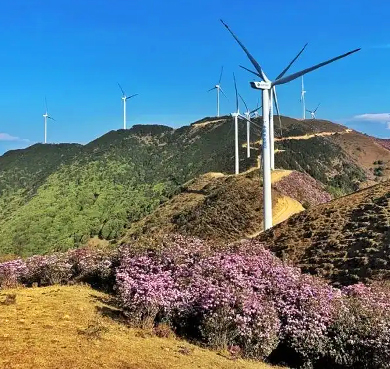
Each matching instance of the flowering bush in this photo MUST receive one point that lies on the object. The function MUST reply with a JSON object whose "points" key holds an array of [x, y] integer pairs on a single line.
{"points": [[245, 297], [11, 273], [47, 270], [87, 265], [303, 188]]}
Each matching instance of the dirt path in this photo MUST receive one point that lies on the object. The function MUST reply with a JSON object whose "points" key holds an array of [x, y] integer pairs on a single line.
{"points": [[304, 137], [285, 207]]}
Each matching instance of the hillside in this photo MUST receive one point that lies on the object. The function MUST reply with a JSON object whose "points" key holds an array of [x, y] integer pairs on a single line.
{"points": [[78, 328], [345, 240], [105, 185], [224, 208], [56, 197]]}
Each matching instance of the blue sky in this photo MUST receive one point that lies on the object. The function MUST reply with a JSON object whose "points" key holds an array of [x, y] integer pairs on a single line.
{"points": [[171, 52]]}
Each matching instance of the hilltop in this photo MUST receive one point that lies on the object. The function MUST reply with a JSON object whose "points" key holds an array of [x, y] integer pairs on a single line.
{"points": [[225, 208], [79, 328], [344, 241], [56, 197]]}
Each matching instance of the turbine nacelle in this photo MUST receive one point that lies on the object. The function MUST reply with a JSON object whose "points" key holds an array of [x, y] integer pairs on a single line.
{"points": [[261, 85]]}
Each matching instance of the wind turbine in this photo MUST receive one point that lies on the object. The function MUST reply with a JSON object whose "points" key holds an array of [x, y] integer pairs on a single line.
{"points": [[303, 100], [125, 98], [236, 115], [219, 89], [273, 96], [313, 112], [267, 87], [247, 116], [46, 116]]}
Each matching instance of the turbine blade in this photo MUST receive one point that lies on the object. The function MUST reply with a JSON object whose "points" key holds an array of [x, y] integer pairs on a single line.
{"points": [[317, 107], [255, 110], [291, 77], [251, 71], [46, 104], [250, 57], [277, 109], [246, 107], [235, 88], [129, 97], [51, 118], [220, 76], [211, 89], [309, 111], [123, 92], [291, 63], [220, 89]]}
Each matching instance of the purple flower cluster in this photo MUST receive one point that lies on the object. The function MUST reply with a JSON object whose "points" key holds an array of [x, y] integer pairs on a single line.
{"points": [[303, 188], [247, 298], [61, 268], [11, 273]]}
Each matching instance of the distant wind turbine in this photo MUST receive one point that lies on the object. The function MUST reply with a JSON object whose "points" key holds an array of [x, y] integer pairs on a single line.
{"points": [[125, 98], [219, 89], [236, 115], [267, 88], [303, 100], [313, 112], [247, 116], [46, 116]]}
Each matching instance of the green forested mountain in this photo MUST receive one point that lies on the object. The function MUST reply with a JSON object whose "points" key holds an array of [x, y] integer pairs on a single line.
{"points": [[53, 197]]}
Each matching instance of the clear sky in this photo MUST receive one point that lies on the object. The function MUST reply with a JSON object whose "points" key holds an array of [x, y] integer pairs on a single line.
{"points": [[170, 53]]}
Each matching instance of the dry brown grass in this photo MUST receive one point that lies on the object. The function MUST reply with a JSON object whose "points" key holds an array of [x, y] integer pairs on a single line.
{"points": [[345, 240], [364, 150], [73, 328], [216, 207]]}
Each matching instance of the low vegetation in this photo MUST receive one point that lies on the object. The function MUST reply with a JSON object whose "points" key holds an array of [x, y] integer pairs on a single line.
{"points": [[238, 298], [345, 241]]}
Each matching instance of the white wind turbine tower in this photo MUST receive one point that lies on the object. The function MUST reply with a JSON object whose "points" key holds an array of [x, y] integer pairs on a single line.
{"points": [[313, 112], [266, 86], [247, 116], [125, 98], [236, 115], [303, 100], [46, 116], [274, 99], [219, 89]]}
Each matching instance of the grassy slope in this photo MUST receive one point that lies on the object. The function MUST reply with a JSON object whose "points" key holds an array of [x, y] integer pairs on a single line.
{"points": [[75, 328], [223, 208], [345, 241]]}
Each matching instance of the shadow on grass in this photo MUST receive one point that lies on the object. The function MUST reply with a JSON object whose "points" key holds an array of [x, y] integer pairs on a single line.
{"points": [[111, 309]]}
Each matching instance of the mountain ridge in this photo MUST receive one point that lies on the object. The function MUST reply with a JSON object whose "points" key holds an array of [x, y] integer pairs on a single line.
{"points": [[55, 197]]}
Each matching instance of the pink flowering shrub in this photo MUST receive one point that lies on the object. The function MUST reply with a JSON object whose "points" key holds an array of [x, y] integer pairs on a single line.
{"points": [[11, 273], [47, 270], [247, 298], [303, 188], [83, 265]]}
